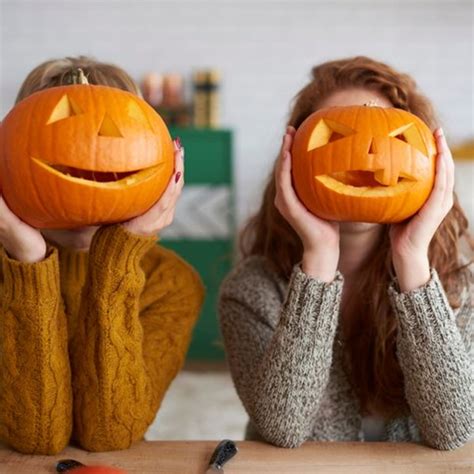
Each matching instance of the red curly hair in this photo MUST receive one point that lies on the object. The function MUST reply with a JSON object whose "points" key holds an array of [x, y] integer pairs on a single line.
{"points": [[369, 328]]}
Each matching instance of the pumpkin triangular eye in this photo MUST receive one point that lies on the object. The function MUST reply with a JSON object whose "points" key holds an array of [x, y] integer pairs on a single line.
{"points": [[335, 136], [401, 137], [409, 134], [108, 128], [136, 113], [64, 109], [328, 131]]}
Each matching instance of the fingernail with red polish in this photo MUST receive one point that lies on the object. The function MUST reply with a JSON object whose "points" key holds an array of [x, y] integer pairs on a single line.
{"points": [[178, 175], [178, 142]]}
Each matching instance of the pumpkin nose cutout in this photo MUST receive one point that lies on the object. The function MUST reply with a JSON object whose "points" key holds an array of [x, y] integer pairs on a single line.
{"points": [[384, 176], [108, 128], [372, 149]]}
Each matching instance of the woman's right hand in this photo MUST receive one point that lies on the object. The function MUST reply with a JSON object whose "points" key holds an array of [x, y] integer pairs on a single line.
{"points": [[21, 242], [320, 238]]}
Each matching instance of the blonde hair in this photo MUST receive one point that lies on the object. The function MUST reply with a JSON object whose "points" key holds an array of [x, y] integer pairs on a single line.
{"points": [[57, 72]]}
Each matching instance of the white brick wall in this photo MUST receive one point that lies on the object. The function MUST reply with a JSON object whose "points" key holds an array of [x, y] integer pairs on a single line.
{"points": [[265, 50]]}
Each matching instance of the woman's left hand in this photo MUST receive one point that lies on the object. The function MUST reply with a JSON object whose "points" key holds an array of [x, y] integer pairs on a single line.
{"points": [[161, 214], [410, 240]]}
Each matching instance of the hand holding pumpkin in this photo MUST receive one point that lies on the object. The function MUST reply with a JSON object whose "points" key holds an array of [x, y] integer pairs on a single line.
{"points": [[410, 240], [27, 244], [320, 238], [161, 214], [21, 242]]}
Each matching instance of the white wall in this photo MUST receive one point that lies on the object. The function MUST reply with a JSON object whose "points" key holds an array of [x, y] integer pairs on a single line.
{"points": [[265, 50]]}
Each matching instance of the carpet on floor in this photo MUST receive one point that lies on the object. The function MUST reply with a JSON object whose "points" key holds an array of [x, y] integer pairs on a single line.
{"points": [[200, 406]]}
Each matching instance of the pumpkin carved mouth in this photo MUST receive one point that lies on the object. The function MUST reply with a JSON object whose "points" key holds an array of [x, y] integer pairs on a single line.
{"points": [[363, 183], [99, 176], [110, 179], [363, 178]]}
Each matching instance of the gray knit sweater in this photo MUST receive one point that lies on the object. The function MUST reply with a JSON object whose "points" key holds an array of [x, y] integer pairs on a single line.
{"points": [[285, 358]]}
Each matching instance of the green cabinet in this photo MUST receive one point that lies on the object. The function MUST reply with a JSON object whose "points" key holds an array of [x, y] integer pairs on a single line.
{"points": [[203, 229]]}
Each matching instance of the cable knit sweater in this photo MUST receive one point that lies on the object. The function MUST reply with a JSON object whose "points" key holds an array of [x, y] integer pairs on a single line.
{"points": [[286, 359], [90, 341]]}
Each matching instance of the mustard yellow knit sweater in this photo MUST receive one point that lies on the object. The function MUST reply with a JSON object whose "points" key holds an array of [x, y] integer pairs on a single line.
{"points": [[89, 342]]}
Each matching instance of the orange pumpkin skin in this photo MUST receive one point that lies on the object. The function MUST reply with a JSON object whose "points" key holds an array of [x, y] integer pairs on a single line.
{"points": [[63, 151], [97, 470], [363, 164]]}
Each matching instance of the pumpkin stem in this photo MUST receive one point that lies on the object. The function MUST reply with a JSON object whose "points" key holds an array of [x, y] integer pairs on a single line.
{"points": [[77, 76]]}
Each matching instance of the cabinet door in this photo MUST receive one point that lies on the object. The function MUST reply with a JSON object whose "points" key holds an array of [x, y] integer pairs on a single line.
{"points": [[203, 228]]}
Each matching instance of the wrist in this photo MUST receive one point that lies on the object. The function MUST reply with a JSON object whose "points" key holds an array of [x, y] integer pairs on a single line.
{"points": [[412, 271], [320, 265], [25, 256], [409, 260], [139, 230], [4, 228]]}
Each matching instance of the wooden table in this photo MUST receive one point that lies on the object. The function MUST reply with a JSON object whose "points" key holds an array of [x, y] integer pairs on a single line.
{"points": [[190, 457]]}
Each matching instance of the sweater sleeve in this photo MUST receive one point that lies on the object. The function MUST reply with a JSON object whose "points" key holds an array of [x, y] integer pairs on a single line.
{"points": [[435, 352], [131, 338], [35, 382], [279, 352]]}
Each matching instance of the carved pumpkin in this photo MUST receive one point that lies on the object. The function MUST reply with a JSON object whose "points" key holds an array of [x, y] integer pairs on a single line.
{"points": [[79, 155], [363, 164]]}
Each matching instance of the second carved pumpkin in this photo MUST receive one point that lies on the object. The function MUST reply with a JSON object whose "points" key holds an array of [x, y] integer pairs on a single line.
{"points": [[363, 164]]}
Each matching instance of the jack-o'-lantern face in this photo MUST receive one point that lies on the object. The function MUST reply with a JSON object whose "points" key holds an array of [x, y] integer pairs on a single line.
{"points": [[363, 163], [81, 155]]}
